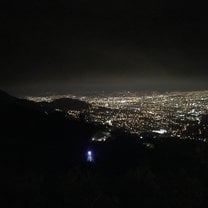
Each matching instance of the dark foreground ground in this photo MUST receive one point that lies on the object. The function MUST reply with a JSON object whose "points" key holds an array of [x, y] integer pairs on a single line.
{"points": [[43, 164]]}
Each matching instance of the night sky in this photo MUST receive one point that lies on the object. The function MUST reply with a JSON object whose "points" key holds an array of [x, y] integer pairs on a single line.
{"points": [[103, 45]]}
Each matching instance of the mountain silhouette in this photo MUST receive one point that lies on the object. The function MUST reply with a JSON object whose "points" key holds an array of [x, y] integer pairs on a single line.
{"points": [[28, 120], [43, 162], [65, 104]]}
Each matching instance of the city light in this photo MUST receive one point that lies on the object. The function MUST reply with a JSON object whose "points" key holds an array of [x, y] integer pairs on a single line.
{"points": [[173, 114]]}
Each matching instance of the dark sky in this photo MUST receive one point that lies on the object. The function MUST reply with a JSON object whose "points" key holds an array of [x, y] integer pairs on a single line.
{"points": [[115, 45]]}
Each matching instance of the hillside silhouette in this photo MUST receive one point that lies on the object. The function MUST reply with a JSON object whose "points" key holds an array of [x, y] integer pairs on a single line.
{"points": [[65, 104], [43, 162], [26, 119]]}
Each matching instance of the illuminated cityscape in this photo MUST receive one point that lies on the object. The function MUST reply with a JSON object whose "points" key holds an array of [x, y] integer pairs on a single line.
{"points": [[174, 114]]}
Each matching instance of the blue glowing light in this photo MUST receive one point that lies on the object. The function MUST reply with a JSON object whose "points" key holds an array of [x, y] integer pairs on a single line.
{"points": [[90, 156]]}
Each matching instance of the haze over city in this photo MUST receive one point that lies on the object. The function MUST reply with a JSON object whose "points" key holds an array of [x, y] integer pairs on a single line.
{"points": [[89, 45]]}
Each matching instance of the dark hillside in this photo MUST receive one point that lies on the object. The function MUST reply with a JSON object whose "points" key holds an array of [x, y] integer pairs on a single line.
{"points": [[43, 163]]}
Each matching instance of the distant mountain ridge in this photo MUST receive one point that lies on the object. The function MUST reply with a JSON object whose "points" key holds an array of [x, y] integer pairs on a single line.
{"points": [[66, 104], [21, 118]]}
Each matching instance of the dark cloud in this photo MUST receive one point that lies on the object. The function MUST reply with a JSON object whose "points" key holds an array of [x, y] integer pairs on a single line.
{"points": [[93, 42]]}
